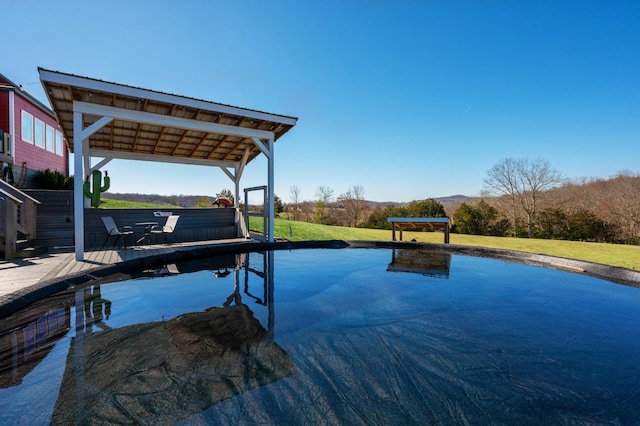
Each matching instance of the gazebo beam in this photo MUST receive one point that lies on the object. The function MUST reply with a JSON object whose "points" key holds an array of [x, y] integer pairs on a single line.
{"points": [[169, 121], [101, 164], [265, 150], [139, 156]]}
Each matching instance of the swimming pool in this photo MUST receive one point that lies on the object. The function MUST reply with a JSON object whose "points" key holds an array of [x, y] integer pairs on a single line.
{"points": [[327, 336]]}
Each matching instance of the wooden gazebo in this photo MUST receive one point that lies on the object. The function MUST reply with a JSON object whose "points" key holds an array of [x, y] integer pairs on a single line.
{"points": [[115, 121]]}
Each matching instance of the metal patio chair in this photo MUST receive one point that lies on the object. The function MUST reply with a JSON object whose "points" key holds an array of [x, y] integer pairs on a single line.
{"points": [[113, 230], [168, 228]]}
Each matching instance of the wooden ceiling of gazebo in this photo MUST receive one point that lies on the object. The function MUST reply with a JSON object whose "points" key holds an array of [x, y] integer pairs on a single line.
{"points": [[193, 130]]}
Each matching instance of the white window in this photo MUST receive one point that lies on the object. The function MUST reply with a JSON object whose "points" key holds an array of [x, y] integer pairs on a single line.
{"points": [[27, 127], [50, 139], [59, 144], [39, 133]]}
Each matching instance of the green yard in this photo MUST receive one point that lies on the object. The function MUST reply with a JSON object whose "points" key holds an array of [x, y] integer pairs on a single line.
{"points": [[626, 256]]}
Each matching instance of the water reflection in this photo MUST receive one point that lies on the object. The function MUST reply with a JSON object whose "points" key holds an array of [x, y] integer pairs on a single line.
{"points": [[96, 309], [228, 263], [159, 371], [431, 264], [27, 337], [357, 343]]}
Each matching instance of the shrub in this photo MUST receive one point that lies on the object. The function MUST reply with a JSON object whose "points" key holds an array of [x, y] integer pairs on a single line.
{"points": [[52, 179]]}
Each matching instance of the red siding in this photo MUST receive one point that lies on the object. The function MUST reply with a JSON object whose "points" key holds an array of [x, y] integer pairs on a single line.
{"points": [[37, 158], [4, 110]]}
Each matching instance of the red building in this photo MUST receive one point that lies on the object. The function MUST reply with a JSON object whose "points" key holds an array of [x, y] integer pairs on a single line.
{"points": [[30, 135]]}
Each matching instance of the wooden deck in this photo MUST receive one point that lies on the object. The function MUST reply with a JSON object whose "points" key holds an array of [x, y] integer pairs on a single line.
{"points": [[21, 277]]}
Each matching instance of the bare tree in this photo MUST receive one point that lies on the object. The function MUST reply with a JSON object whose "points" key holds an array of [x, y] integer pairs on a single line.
{"points": [[323, 211], [524, 182], [354, 205], [324, 194], [294, 195], [307, 210], [622, 204], [502, 180]]}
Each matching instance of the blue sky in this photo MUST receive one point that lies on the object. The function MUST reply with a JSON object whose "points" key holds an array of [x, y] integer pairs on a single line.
{"points": [[409, 99]]}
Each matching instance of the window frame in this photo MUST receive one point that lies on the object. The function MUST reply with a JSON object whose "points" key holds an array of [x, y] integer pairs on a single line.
{"points": [[50, 138], [24, 117], [59, 142], [39, 141]]}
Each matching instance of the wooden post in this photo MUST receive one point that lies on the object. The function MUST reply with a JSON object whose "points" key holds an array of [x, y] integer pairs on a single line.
{"points": [[421, 223], [9, 216], [446, 233], [28, 217]]}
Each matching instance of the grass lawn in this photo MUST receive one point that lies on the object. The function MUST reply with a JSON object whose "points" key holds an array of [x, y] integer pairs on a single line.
{"points": [[106, 203], [626, 256]]}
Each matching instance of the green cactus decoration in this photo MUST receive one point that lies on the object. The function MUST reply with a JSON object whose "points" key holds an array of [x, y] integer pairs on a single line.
{"points": [[97, 189]]}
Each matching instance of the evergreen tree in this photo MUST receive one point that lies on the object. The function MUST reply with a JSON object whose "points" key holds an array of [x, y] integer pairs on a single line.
{"points": [[277, 205]]}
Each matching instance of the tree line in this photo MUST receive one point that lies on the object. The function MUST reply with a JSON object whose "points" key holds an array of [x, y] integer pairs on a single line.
{"points": [[522, 197]]}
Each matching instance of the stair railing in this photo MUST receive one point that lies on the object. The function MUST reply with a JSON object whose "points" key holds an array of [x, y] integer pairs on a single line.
{"points": [[17, 214]]}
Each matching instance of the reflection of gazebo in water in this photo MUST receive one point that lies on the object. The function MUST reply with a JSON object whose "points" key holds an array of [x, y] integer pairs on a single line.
{"points": [[428, 263], [165, 371]]}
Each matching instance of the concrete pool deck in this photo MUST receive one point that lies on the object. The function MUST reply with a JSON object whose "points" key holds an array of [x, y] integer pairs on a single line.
{"points": [[23, 281]]}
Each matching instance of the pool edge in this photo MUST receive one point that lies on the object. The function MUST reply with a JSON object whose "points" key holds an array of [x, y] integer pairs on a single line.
{"points": [[15, 301]]}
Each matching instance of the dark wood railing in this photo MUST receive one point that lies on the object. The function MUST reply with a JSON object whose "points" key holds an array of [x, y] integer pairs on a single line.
{"points": [[195, 224], [55, 220]]}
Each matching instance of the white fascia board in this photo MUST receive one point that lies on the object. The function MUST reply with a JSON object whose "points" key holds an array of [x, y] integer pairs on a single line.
{"points": [[169, 121], [103, 86], [123, 155]]}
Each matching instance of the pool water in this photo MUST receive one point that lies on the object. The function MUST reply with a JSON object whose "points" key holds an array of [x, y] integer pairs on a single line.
{"points": [[322, 336]]}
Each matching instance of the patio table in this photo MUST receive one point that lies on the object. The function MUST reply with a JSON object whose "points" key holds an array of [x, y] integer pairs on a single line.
{"points": [[147, 231]]}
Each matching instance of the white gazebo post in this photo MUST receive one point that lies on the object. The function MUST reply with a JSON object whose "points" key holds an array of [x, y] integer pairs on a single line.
{"points": [[78, 201], [239, 169], [236, 198], [270, 183], [268, 152], [81, 162]]}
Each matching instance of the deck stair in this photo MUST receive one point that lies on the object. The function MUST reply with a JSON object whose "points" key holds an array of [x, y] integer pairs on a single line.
{"points": [[28, 248], [17, 222]]}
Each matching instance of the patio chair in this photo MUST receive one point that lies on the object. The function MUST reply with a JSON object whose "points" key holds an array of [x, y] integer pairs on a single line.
{"points": [[168, 228], [113, 230]]}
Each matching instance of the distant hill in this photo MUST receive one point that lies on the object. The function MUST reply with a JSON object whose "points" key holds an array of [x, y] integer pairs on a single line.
{"points": [[187, 201], [451, 199], [184, 201]]}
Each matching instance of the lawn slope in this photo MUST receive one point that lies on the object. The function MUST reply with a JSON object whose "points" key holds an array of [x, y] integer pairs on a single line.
{"points": [[626, 256]]}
